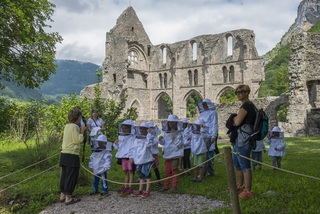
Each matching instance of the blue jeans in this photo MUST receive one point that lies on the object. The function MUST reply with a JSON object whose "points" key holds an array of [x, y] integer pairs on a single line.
{"points": [[239, 162], [104, 182]]}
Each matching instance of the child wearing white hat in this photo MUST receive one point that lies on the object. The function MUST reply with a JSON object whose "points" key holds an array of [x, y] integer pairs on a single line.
{"points": [[187, 134], [124, 143], [199, 148], [209, 115], [142, 157], [100, 162], [172, 143], [277, 146]]}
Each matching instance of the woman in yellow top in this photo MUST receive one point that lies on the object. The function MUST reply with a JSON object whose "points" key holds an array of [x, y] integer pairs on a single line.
{"points": [[70, 156]]}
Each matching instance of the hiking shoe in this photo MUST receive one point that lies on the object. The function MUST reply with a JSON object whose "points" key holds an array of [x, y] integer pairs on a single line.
{"points": [[137, 193], [172, 190], [239, 188], [104, 193], [245, 194], [146, 194], [163, 189], [94, 191], [128, 191]]}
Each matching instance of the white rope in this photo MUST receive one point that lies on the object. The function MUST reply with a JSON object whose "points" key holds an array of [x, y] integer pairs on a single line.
{"points": [[284, 170], [155, 181]]}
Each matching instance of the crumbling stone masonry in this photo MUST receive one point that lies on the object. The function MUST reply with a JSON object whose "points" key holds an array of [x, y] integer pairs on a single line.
{"points": [[304, 86], [207, 65]]}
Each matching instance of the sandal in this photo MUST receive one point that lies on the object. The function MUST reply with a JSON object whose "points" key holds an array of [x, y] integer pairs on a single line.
{"points": [[73, 201], [62, 200]]}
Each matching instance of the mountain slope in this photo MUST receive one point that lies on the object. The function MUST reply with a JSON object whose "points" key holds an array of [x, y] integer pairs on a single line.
{"points": [[71, 77]]}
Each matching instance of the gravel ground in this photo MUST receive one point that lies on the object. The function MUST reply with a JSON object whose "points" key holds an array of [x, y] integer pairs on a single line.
{"points": [[157, 203]]}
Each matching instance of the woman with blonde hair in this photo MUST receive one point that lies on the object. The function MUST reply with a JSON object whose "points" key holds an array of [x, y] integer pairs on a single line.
{"points": [[244, 120]]}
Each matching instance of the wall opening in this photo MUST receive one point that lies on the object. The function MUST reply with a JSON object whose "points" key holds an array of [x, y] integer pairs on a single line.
{"points": [[190, 77], [231, 74], [160, 80], [195, 77], [164, 55], [230, 45], [165, 80], [194, 51], [225, 74], [164, 106]]}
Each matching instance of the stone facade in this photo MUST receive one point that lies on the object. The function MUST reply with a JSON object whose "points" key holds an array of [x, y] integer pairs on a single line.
{"points": [[304, 86], [207, 65]]}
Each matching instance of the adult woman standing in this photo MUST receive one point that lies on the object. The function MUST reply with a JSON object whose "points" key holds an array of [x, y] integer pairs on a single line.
{"points": [[70, 156], [244, 120], [95, 121]]}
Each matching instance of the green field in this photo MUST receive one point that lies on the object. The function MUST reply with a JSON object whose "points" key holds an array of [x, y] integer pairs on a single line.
{"points": [[295, 190]]}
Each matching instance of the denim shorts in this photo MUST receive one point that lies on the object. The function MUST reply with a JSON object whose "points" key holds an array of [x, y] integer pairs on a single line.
{"points": [[239, 162]]}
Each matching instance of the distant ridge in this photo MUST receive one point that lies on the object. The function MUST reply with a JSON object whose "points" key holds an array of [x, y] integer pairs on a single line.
{"points": [[71, 77]]}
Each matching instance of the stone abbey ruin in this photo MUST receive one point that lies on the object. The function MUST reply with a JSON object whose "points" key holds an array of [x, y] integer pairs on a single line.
{"points": [[205, 65]]}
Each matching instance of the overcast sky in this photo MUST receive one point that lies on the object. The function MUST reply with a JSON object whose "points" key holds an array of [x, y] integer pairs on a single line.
{"points": [[83, 23]]}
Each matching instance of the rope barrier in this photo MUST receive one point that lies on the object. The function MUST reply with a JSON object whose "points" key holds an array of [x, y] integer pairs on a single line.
{"points": [[2, 190], [28, 166], [268, 165], [155, 181]]}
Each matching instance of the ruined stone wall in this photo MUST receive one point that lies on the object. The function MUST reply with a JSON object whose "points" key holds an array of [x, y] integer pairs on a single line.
{"points": [[304, 79], [144, 73]]}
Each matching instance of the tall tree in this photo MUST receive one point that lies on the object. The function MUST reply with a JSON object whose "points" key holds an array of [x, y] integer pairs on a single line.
{"points": [[27, 51]]}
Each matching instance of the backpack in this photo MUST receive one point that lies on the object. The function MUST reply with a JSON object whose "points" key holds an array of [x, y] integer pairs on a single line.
{"points": [[261, 125]]}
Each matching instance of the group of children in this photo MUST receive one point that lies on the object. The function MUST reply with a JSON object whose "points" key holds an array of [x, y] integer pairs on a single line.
{"points": [[137, 151]]}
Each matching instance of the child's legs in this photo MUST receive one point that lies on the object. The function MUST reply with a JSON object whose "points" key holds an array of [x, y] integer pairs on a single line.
{"points": [[201, 172], [168, 170], [156, 171], [148, 184], [254, 156], [279, 161], [186, 158], [104, 182], [128, 173], [141, 182], [96, 181], [259, 158], [274, 161], [175, 172]]}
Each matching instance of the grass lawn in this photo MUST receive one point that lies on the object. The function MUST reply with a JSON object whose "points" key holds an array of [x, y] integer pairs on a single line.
{"points": [[276, 191]]}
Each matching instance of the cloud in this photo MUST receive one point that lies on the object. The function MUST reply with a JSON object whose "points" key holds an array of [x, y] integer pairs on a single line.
{"points": [[83, 24]]}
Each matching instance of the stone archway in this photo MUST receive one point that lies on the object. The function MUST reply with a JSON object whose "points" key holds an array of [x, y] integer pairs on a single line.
{"points": [[222, 91], [137, 105], [190, 100], [163, 101]]}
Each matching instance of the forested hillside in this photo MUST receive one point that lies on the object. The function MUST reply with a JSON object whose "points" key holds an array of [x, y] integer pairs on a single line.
{"points": [[71, 77]]}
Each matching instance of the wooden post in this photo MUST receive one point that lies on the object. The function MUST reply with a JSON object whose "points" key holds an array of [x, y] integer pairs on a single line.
{"points": [[231, 180]]}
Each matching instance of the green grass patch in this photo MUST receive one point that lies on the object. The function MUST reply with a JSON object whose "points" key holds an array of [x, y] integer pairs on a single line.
{"points": [[276, 191]]}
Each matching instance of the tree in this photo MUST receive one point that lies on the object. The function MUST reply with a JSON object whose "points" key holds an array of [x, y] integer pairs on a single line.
{"points": [[26, 51]]}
